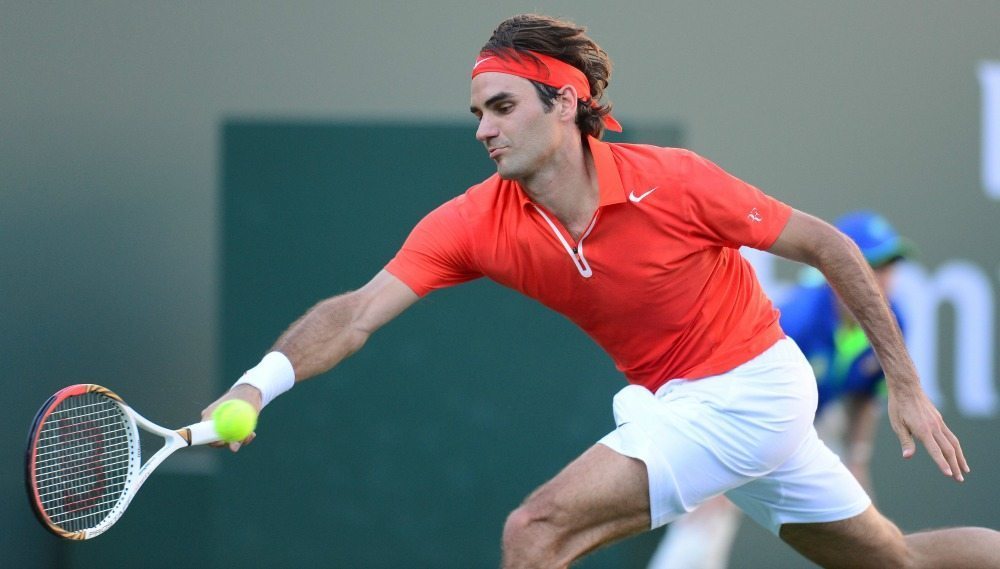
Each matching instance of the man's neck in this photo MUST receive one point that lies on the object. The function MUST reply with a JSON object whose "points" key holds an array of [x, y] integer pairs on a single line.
{"points": [[567, 187]]}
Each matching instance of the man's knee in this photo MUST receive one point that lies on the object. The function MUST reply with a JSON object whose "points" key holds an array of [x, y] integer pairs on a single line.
{"points": [[525, 528], [972, 547], [531, 536]]}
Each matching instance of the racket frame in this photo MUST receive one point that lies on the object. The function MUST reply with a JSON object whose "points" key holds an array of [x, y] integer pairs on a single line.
{"points": [[195, 434]]}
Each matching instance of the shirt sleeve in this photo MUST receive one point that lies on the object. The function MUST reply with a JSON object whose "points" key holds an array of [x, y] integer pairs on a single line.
{"points": [[727, 210], [437, 253]]}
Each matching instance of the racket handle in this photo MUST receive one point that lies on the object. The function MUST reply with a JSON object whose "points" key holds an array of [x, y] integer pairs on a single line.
{"points": [[202, 433]]}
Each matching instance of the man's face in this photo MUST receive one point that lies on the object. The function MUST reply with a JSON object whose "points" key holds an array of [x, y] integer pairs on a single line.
{"points": [[518, 133]]}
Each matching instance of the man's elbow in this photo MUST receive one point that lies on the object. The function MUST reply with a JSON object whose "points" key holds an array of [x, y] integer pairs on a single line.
{"points": [[834, 248]]}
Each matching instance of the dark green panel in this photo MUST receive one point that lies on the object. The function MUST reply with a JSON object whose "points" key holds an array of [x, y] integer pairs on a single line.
{"points": [[411, 453], [167, 526]]}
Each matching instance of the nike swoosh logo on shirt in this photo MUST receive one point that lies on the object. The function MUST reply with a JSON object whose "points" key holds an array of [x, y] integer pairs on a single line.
{"points": [[636, 199]]}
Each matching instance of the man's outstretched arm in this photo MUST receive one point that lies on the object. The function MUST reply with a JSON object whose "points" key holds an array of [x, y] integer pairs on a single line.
{"points": [[809, 240], [324, 336], [339, 326]]}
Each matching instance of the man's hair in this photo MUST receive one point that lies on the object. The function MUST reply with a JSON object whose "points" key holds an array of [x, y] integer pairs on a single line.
{"points": [[567, 42]]}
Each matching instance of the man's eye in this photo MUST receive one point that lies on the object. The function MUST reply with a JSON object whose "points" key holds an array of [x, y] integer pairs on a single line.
{"points": [[504, 109]]}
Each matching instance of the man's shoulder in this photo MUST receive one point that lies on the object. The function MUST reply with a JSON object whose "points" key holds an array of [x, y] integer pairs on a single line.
{"points": [[479, 200], [664, 160], [647, 165], [635, 151]]}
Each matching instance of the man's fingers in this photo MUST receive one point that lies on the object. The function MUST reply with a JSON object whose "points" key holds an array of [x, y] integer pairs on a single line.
{"points": [[942, 452], [950, 454], [936, 455], [234, 447], [916, 418], [963, 464], [206, 414], [906, 441]]}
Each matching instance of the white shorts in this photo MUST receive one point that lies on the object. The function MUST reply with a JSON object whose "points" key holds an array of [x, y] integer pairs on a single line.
{"points": [[747, 433]]}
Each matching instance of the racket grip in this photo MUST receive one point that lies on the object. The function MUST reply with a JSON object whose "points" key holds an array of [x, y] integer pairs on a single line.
{"points": [[203, 433]]}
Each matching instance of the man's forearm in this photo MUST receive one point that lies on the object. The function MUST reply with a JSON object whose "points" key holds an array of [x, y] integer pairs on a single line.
{"points": [[854, 281], [324, 336], [316, 342], [339, 326]]}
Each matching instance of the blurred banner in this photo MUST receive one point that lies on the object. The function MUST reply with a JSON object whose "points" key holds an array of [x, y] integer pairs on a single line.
{"points": [[989, 80]]}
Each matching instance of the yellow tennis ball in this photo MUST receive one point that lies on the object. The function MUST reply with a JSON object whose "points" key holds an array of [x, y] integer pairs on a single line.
{"points": [[234, 420]]}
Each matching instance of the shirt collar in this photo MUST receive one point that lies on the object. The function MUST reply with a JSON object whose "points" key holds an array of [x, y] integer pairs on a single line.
{"points": [[609, 182]]}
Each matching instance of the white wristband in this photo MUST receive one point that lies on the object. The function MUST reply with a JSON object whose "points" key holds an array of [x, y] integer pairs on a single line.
{"points": [[272, 376]]}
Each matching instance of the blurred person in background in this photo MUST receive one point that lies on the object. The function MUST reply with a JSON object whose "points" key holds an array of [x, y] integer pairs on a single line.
{"points": [[850, 382]]}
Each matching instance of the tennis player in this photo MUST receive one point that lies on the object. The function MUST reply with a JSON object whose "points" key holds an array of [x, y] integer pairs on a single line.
{"points": [[849, 378], [638, 246]]}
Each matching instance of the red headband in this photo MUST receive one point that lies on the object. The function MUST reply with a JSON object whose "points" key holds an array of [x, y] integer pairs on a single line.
{"points": [[547, 70]]}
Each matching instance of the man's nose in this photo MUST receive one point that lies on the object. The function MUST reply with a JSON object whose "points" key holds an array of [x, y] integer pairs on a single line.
{"points": [[486, 130]]}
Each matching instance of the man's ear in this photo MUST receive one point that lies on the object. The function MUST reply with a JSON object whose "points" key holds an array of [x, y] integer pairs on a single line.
{"points": [[567, 100]]}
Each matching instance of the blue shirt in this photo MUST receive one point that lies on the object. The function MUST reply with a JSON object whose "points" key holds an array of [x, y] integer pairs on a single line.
{"points": [[841, 357]]}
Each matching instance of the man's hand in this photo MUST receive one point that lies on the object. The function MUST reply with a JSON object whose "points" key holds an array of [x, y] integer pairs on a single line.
{"points": [[912, 414], [245, 392]]}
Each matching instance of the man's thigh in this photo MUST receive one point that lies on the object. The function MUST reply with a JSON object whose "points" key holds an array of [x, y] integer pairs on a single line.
{"points": [[866, 540], [600, 497]]}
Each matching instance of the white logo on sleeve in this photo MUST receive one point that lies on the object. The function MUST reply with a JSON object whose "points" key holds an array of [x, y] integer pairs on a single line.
{"points": [[638, 198], [755, 216]]}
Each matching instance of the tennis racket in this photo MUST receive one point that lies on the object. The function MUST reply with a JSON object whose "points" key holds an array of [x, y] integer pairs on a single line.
{"points": [[84, 459]]}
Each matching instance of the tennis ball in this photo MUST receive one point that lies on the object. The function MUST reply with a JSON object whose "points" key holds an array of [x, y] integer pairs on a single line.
{"points": [[234, 420]]}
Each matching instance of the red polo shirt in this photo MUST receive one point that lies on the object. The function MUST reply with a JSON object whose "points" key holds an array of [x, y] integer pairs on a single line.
{"points": [[657, 280]]}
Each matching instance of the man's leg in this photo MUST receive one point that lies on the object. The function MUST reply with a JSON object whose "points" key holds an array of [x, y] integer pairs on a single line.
{"points": [[599, 498], [871, 540], [670, 452]]}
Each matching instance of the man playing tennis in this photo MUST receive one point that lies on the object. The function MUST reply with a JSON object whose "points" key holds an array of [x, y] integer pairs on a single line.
{"points": [[638, 246]]}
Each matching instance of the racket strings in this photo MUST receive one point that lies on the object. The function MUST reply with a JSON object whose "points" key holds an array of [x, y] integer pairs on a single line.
{"points": [[77, 458], [82, 461]]}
